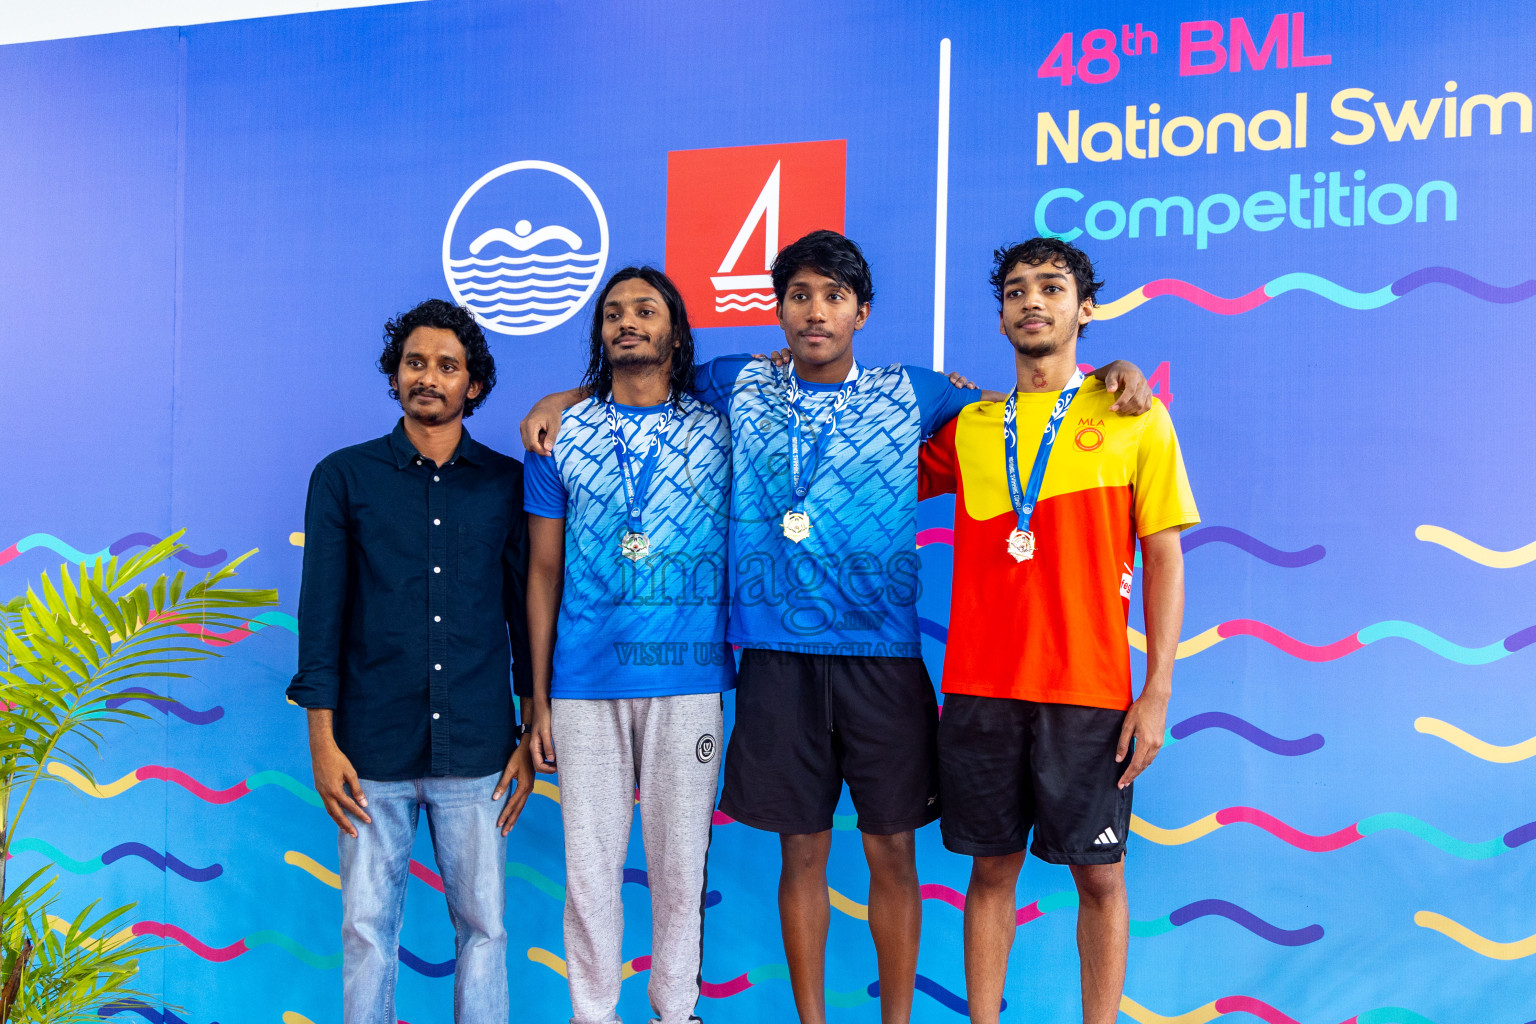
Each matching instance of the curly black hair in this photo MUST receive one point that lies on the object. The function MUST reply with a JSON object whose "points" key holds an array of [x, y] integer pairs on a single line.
{"points": [[1046, 250], [598, 379], [828, 254], [440, 313]]}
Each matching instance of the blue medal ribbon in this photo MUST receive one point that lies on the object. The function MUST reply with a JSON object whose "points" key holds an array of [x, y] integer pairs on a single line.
{"points": [[801, 472], [637, 481], [1024, 499]]}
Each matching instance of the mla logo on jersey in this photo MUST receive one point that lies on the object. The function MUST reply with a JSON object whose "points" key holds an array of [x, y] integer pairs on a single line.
{"points": [[525, 247], [729, 211]]}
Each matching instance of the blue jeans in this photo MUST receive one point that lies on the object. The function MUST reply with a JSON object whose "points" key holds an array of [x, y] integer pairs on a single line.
{"points": [[472, 855]]}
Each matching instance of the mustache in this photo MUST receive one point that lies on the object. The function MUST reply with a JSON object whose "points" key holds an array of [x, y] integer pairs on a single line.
{"points": [[422, 389]]}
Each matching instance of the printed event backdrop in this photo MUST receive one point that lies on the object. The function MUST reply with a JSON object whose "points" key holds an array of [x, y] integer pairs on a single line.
{"points": [[1316, 229]]}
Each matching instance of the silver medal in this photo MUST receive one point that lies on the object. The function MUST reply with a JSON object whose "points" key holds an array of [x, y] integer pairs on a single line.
{"points": [[634, 546], [1021, 544]]}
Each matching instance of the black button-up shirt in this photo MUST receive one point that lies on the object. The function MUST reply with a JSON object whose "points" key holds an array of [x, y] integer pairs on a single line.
{"points": [[414, 579]]}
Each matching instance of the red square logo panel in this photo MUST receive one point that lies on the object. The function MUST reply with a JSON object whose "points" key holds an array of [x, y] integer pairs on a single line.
{"points": [[729, 211]]}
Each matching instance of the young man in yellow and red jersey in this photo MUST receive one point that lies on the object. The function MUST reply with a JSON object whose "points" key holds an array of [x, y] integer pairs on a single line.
{"points": [[1039, 730]]}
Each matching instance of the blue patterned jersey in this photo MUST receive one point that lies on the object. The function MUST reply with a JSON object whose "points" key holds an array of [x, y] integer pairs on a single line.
{"points": [[653, 627], [851, 587]]}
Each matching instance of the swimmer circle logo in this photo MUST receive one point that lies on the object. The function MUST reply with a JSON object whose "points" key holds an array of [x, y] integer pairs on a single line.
{"points": [[704, 750], [537, 273]]}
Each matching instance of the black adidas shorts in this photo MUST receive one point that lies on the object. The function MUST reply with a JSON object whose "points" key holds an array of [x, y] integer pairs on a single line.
{"points": [[1006, 766], [805, 723]]}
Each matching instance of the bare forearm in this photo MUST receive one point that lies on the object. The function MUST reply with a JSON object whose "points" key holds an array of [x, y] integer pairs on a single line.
{"points": [[1163, 604], [321, 733], [544, 589], [563, 400]]}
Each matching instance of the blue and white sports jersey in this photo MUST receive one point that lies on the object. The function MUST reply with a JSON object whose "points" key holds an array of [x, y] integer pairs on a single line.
{"points": [[851, 587], [653, 627]]}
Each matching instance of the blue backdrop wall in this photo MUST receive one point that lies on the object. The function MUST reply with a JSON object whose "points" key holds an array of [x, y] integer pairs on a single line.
{"points": [[206, 228]]}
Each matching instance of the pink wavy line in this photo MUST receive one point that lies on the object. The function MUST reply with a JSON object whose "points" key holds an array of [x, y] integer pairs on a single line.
{"points": [[427, 875], [1204, 299], [934, 891], [935, 535], [1280, 830], [721, 818], [723, 989], [1290, 645], [202, 949], [187, 782], [1257, 1007]]}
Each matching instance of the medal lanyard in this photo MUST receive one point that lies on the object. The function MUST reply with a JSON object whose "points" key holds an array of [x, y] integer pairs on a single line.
{"points": [[637, 481], [1024, 501], [802, 471]]}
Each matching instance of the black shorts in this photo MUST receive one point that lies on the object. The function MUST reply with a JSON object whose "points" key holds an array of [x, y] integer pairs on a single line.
{"points": [[807, 722], [1006, 766]]}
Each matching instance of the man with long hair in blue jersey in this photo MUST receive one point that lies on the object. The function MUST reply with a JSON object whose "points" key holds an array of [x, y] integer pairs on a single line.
{"points": [[627, 613], [824, 585]]}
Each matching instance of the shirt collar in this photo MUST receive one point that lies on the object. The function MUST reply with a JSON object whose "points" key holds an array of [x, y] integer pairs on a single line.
{"points": [[405, 453]]}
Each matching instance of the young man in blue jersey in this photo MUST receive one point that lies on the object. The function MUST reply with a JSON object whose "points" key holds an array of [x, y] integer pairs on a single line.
{"points": [[627, 614], [824, 585]]}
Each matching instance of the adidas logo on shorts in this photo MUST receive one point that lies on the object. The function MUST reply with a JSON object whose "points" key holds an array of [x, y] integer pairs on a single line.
{"points": [[1106, 838]]}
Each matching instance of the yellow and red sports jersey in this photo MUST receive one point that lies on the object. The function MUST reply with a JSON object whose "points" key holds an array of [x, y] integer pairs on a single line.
{"points": [[1052, 629]]}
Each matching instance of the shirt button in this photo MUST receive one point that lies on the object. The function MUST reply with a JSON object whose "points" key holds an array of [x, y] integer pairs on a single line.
{"points": [[437, 668], [418, 461], [436, 716], [434, 478], [437, 522], [437, 568], [437, 618]]}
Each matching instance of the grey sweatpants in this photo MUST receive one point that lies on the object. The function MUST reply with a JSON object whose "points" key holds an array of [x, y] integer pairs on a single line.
{"points": [[669, 747]]}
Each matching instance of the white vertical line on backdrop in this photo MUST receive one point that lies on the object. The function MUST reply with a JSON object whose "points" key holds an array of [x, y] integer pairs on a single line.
{"points": [[941, 210]]}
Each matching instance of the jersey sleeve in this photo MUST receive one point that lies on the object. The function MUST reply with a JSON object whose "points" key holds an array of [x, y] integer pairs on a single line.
{"points": [[938, 401], [1161, 494], [937, 468], [544, 493], [713, 381]]}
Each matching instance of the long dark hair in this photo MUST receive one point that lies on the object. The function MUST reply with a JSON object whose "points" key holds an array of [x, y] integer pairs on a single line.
{"points": [[599, 376]]}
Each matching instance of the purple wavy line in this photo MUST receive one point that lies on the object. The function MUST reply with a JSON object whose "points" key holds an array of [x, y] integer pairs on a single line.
{"points": [[196, 561], [933, 629], [1524, 638], [1248, 731], [1260, 927], [144, 1010], [164, 861], [1520, 836], [1252, 545], [639, 876], [1466, 282], [173, 707]]}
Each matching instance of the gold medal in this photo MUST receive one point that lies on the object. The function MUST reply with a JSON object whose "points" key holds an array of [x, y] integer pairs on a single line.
{"points": [[797, 525], [1021, 544]]}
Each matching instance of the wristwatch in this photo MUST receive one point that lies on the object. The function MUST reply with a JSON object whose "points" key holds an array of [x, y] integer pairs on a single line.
{"points": [[524, 728]]}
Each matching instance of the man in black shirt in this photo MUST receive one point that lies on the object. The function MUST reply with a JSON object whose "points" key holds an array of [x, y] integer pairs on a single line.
{"points": [[415, 562]]}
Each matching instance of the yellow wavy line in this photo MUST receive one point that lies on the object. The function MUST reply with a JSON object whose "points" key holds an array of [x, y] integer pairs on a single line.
{"points": [[1194, 645], [847, 905], [1474, 746], [314, 867], [1476, 552], [1175, 836], [90, 788], [62, 926], [1473, 941], [1124, 304], [548, 959], [1134, 1010], [549, 789], [294, 1017], [297, 540]]}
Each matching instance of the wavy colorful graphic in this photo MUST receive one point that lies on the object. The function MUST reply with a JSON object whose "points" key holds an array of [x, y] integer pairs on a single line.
{"points": [[1141, 929], [164, 862], [1457, 932], [1189, 542], [1521, 751], [187, 782], [1389, 821], [214, 638], [144, 1010], [172, 707], [1247, 730], [771, 972], [117, 547], [1321, 286], [1348, 645], [1263, 1011], [1476, 552]]}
